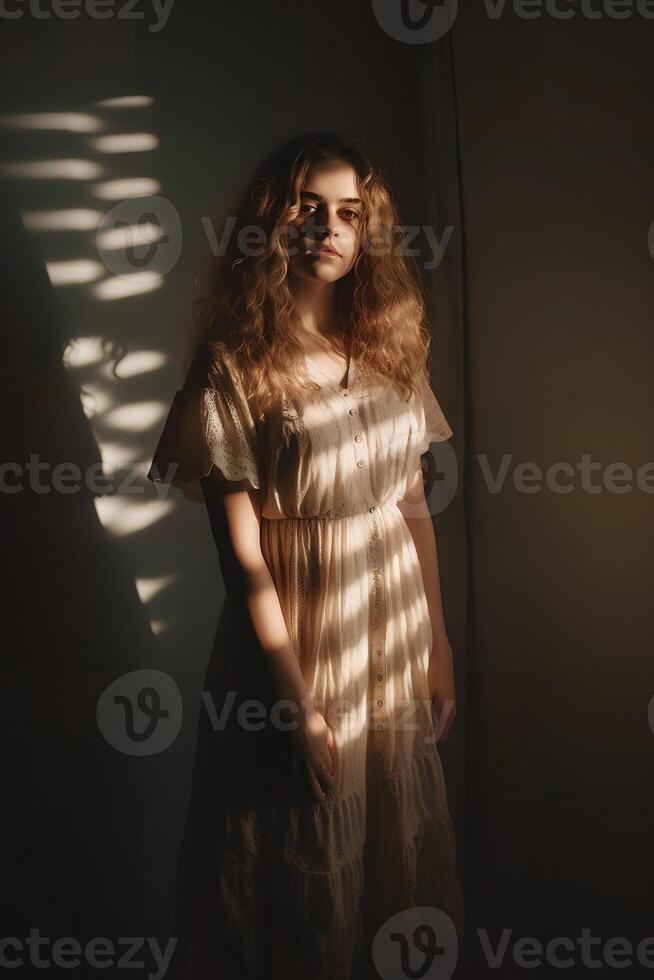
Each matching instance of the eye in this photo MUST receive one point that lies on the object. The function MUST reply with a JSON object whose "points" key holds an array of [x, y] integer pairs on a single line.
{"points": [[305, 205], [351, 214]]}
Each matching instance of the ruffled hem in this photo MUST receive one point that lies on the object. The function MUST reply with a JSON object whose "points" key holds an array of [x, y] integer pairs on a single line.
{"points": [[414, 790], [440, 435], [419, 866], [277, 885], [333, 873]]}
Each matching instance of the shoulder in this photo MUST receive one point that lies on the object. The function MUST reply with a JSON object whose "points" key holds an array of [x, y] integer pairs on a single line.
{"points": [[211, 366]]}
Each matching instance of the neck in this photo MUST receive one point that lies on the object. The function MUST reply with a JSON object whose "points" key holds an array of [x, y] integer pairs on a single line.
{"points": [[315, 304]]}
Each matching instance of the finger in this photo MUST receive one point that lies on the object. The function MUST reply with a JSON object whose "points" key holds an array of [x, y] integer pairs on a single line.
{"points": [[316, 788], [326, 780], [438, 723], [443, 730], [434, 718], [332, 745], [322, 768], [442, 715]]}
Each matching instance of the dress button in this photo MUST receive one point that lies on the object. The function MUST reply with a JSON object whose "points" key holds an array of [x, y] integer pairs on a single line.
{"points": [[379, 653], [352, 412], [345, 394], [360, 463], [380, 703], [380, 728], [380, 677], [373, 509], [357, 438]]}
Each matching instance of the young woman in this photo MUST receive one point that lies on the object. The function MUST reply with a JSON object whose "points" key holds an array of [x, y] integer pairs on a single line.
{"points": [[319, 808]]}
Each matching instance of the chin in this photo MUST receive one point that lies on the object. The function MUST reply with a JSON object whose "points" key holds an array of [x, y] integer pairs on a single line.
{"points": [[320, 272], [327, 275]]}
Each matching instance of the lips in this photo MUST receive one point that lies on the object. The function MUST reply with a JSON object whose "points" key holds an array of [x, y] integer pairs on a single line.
{"points": [[327, 251]]}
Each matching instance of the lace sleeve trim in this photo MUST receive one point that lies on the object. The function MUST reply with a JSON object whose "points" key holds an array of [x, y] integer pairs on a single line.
{"points": [[207, 426], [433, 426]]}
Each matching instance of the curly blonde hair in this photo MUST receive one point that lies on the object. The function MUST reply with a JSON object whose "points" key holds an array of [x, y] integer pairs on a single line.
{"points": [[248, 310]]}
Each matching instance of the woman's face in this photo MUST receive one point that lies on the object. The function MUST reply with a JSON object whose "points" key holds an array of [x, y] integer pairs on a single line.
{"points": [[324, 238]]}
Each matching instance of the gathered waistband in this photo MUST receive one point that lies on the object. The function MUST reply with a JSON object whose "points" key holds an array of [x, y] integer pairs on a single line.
{"points": [[367, 511]]}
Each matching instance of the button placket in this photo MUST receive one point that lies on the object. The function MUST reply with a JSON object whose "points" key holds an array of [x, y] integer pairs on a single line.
{"points": [[358, 436], [377, 626], [377, 613]]}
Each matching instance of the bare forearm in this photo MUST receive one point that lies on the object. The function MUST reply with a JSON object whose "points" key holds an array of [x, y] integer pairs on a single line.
{"points": [[441, 662], [424, 538], [262, 603], [235, 524]]}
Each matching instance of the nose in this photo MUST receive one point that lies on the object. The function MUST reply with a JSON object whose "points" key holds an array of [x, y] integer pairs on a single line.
{"points": [[322, 225], [320, 231], [325, 231]]}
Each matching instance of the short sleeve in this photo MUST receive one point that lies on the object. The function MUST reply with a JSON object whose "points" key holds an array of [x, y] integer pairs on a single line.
{"points": [[208, 425], [432, 424]]}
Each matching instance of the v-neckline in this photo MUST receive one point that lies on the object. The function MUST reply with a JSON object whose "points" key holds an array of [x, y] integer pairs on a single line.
{"points": [[344, 382]]}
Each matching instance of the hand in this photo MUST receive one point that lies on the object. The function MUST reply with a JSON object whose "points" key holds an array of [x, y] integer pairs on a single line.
{"points": [[441, 690], [316, 744]]}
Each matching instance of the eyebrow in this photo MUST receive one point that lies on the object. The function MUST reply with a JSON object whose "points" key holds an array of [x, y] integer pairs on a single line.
{"points": [[343, 200]]}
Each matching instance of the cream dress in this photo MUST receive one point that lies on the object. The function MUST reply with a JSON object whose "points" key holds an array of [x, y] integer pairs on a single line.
{"points": [[293, 887]]}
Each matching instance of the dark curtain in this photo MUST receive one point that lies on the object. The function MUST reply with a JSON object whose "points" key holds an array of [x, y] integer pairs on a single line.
{"points": [[539, 140], [442, 209]]}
